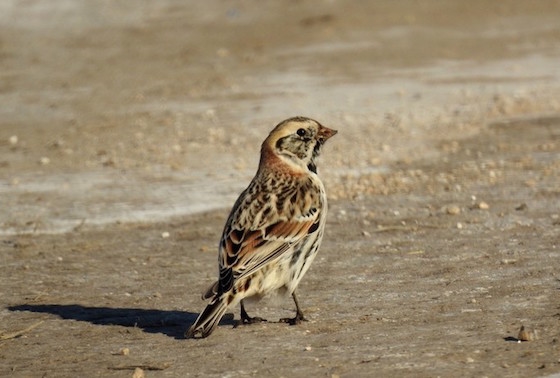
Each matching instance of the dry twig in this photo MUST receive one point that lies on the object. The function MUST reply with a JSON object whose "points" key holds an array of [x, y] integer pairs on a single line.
{"points": [[13, 335]]}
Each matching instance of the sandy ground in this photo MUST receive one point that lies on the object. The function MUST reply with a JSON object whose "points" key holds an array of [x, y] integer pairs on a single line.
{"points": [[126, 132]]}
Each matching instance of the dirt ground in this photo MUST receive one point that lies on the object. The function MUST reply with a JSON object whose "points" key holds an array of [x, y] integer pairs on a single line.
{"points": [[126, 132]]}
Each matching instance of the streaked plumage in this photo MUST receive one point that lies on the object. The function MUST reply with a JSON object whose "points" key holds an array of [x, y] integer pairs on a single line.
{"points": [[275, 227]]}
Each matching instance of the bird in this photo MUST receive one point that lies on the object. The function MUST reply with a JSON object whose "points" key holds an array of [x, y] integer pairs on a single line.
{"points": [[275, 227]]}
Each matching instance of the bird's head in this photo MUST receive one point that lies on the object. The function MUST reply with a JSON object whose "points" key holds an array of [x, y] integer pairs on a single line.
{"points": [[297, 142]]}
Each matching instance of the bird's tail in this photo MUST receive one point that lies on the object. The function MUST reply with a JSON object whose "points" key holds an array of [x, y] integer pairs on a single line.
{"points": [[209, 318]]}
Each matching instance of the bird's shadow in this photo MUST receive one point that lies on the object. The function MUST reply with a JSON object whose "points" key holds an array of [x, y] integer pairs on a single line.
{"points": [[170, 323]]}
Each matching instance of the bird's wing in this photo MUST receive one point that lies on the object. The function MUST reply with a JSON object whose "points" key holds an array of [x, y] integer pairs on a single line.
{"points": [[250, 242]]}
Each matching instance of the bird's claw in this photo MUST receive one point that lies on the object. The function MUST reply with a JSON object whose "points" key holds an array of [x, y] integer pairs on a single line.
{"points": [[299, 318]]}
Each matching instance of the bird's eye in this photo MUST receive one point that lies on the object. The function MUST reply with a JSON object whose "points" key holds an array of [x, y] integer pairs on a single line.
{"points": [[301, 132]]}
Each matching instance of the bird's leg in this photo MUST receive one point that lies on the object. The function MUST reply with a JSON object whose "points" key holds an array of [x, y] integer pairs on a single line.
{"points": [[299, 314], [246, 319]]}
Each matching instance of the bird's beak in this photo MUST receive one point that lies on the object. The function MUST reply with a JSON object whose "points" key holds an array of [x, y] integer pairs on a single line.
{"points": [[325, 133]]}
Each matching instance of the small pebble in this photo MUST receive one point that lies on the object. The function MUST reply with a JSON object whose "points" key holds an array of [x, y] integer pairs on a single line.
{"points": [[307, 348], [483, 205], [453, 210], [44, 160], [124, 352], [508, 261], [526, 334], [138, 373], [165, 235], [13, 140], [522, 207]]}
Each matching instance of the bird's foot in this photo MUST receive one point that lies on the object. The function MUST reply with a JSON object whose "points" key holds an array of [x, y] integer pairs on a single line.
{"points": [[295, 320], [253, 320], [246, 319], [249, 320]]}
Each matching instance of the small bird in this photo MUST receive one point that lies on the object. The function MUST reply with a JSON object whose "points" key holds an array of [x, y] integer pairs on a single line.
{"points": [[275, 227]]}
